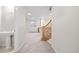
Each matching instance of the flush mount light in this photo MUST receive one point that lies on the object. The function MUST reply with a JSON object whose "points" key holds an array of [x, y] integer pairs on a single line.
{"points": [[29, 13]]}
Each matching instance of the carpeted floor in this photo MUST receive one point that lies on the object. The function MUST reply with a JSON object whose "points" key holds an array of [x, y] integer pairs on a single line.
{"points": [[35, 45]]}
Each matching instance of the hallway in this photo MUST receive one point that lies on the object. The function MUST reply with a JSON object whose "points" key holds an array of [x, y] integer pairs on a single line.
{"points": [[33, 44]]}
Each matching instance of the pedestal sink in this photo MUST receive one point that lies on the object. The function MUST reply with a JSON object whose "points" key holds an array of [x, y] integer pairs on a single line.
{"points": [[6, 41]]}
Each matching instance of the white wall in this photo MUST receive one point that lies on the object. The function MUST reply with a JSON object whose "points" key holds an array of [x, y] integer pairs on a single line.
{"points": [[65, 29], [7, 19], [0, 18], [20, 28]]}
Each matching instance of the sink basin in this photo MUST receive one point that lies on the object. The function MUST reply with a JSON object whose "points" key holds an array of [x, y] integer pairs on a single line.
{"points": [[6, 40]]}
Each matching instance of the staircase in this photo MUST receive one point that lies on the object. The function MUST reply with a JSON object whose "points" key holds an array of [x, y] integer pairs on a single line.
{"points": [[46, 31]]}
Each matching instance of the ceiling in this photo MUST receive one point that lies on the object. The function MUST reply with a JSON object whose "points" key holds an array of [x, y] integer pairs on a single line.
{"points": [[36, 11]]}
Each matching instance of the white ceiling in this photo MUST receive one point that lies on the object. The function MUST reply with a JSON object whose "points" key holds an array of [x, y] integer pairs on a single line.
{"points": [[36, 11]]}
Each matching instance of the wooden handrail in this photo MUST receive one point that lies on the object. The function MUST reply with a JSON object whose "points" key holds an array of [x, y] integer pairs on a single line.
{"points": [[46, 31], [48, 23]]}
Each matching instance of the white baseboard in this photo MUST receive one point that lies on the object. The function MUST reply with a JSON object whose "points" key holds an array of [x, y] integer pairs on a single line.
{"points": [[52, 46]]}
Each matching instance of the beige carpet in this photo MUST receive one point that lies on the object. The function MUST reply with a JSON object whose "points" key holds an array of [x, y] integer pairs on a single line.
{"points": [[35, 45]]}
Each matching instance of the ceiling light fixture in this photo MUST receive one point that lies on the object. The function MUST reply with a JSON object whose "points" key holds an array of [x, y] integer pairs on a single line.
{"points": [[29, 14]]}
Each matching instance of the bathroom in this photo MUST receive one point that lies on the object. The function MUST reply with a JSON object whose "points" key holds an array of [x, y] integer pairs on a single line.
{"points": [[7, 22]]}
